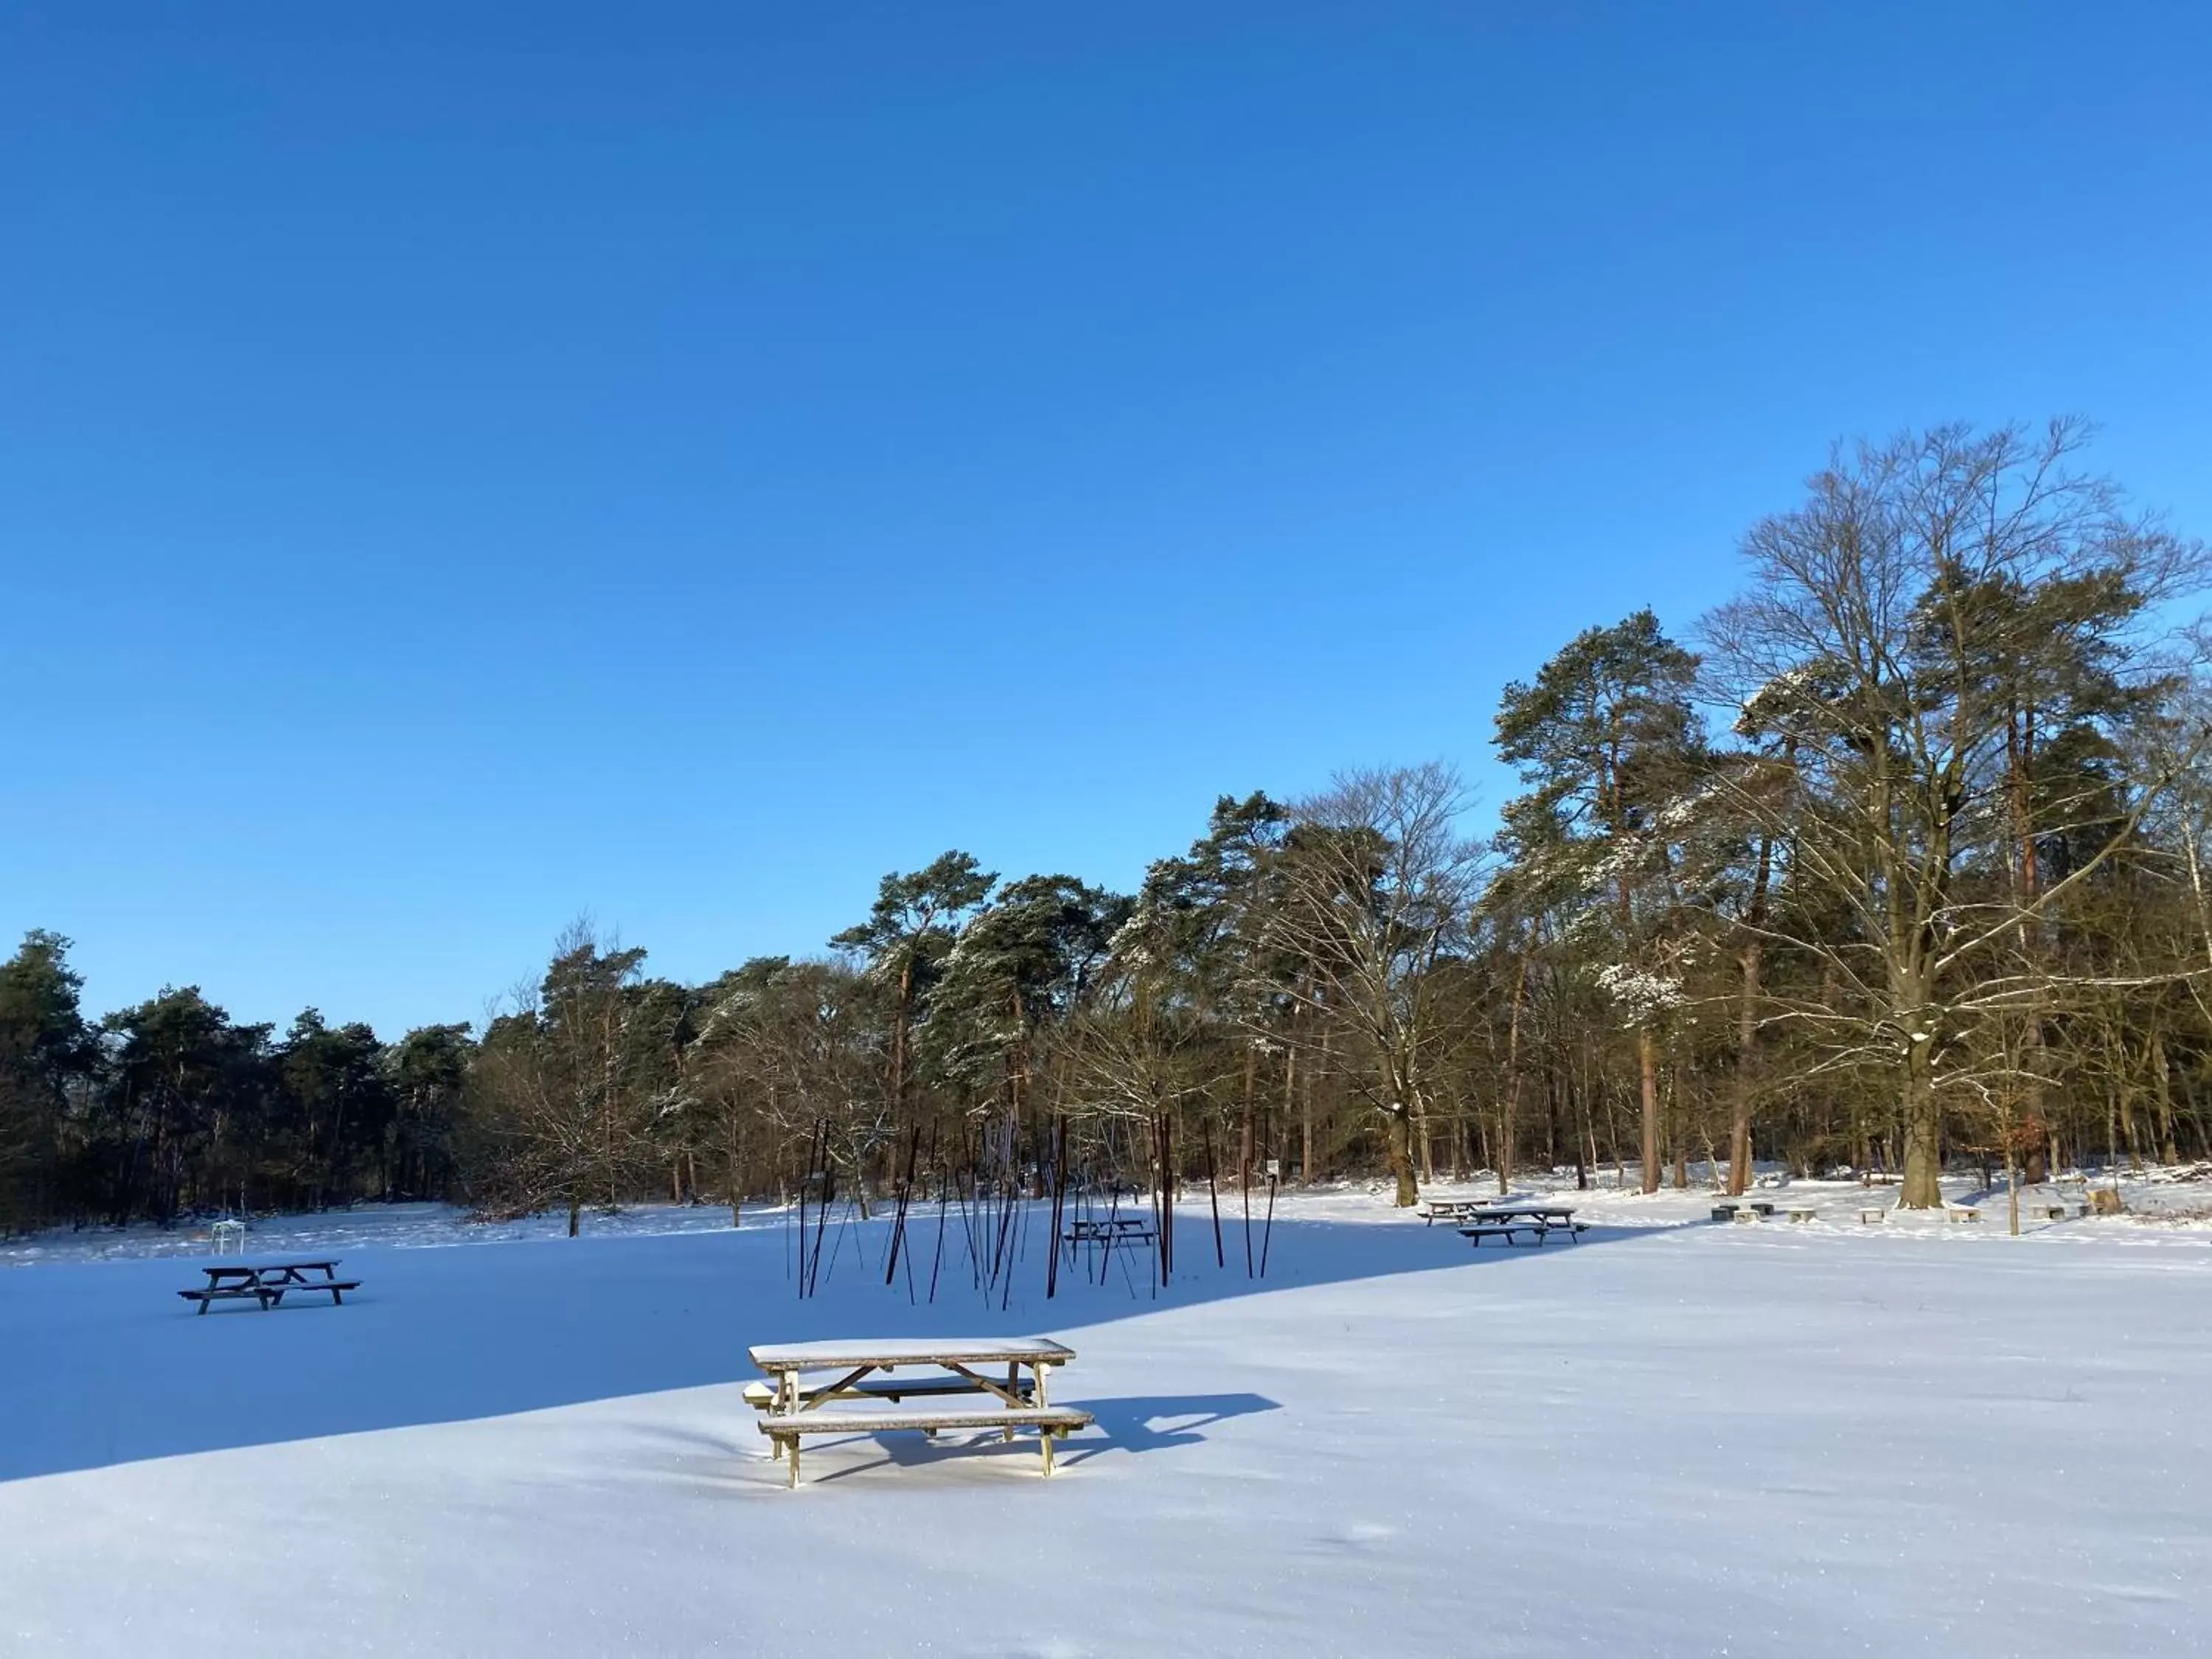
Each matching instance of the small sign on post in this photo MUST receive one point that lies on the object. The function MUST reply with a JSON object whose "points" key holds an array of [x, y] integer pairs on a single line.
{"points": [[1274, 1167]]}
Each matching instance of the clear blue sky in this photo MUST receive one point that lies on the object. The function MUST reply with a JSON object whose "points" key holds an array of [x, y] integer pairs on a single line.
{"points": [[460, 463]]}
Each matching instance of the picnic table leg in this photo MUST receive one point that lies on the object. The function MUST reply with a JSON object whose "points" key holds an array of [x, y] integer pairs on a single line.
{"points": [[1045, 1438], [791, 1450], [1013, 1391]]}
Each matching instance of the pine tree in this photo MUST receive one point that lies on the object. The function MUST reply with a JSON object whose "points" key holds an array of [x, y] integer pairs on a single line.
{"points": [[1605, 733]]}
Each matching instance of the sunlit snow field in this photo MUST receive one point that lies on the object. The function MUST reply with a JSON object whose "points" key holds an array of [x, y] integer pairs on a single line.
{"points": [[1672, 1438]]}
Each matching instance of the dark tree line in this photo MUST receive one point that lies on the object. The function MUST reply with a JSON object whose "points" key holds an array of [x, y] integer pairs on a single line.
{"points": [[172, 1106], [1897, 861]]}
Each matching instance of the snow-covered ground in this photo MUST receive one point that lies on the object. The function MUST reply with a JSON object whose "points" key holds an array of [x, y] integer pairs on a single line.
{"points": [[2166, 1198], [1672, 1438]]}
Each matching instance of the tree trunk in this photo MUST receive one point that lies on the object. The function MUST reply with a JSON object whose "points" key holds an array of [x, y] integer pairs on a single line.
{"points": [[2125, 1091], [1248, 1134], [1921, 1188], [1305, 1133], [1678, 1131], [1552, 1123], [1399, 1130], [1306, 1126], [1747, 1025], [1585, 1132], [2027, 879], [1512, 1101], [2169, 1152], [1648, 1063], [736, 1176], [575, 1214]]}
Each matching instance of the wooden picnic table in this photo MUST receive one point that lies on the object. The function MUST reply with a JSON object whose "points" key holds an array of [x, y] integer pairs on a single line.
{"points": [[1449, 1209], [1101, 1226], [1093, 1234], [792, 1408], [1504, 1221], [268, 1281]]}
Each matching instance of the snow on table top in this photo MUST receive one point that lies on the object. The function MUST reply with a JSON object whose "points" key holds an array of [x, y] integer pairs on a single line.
{"points": [[926, 1350], [886, 1422], [269, 1266]]}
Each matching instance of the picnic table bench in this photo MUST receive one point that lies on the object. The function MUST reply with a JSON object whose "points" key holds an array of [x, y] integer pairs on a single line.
{"points": [[266, 1283], [791, 1408], [1506, 1221]]}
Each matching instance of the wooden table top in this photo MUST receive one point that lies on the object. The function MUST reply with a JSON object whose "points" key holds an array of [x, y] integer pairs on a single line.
{"points": [[232, 1268], [910, 1350]]}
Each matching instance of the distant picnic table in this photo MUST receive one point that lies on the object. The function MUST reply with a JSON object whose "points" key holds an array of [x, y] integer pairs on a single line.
{"points": [[268, 1281], [1510, 1221], [1093, 1234], [791, 1408]]}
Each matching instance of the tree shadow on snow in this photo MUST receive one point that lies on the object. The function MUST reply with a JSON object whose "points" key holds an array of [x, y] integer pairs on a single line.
{"points": [[105, 1364]]}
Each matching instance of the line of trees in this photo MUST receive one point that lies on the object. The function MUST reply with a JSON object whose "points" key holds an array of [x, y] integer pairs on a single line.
{"points": [[172, 1105], [1897, 861]]}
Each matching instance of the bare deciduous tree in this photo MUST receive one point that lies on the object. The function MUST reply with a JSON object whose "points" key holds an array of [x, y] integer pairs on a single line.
{"points": [[1369, 890], [1886, 634], [562, 1082]]}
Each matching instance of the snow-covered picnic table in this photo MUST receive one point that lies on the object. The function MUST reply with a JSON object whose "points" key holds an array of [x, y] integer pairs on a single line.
{"points": [[791, 1408], [1504, 1220], [267, 1281], [1094, 1234], [1451, 1209]]}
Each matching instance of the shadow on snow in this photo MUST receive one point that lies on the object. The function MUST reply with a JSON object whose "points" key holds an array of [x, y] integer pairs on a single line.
{"points": [[1133, 1424], [106, 1365]]}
